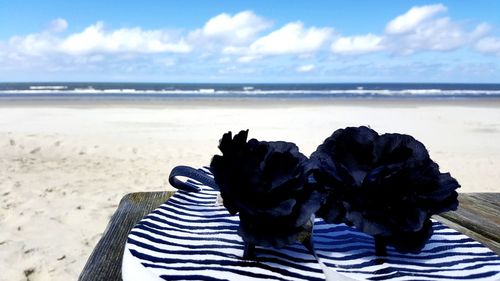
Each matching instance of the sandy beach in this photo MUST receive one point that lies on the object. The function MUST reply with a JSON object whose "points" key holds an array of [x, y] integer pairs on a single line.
{"points": [[64, 166]]}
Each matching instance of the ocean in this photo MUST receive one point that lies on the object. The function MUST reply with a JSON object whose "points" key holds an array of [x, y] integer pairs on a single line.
{"points": [[15, 91]]}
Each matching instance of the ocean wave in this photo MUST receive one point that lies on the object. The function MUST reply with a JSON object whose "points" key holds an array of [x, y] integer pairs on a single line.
{"points": [[254, 92], [48, 87]]}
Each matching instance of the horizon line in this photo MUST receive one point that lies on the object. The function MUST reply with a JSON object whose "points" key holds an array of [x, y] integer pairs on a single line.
{"points": [[240, 83]]}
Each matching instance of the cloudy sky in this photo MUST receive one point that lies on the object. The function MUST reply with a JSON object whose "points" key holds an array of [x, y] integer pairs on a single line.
{"points": [[250, 41]]}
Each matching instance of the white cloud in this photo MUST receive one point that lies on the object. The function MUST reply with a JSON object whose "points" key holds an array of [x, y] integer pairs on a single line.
{"points": [[413, 18], [419, 29], [228, 34], [357, 44], [58, 25], [33, 44], [248, 58], [233, 40], [480, 31], [292, 38], [231, 50], [95, 39], [241, 27], [440, 34], [305, 68], [488, 45]]}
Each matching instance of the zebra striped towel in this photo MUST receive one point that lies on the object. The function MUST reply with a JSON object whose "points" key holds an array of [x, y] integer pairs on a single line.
{"points": [[191, 237]]}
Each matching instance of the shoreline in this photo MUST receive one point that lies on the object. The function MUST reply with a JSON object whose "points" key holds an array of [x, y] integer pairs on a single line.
{"points": [[246, 102]]}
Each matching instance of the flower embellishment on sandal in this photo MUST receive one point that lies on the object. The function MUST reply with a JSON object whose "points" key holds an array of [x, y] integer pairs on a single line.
{"points": [[266, 183], [384, 185]]}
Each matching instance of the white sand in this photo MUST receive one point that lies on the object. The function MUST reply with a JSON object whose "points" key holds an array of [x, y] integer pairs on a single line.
{"points": [[64, 168]]}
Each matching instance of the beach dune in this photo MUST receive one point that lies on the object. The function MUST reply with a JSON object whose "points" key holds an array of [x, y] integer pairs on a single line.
{"points": [[64, 166]]}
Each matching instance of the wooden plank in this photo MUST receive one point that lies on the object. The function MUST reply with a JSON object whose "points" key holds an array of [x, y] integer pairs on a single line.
{"points": [[106, 260], [478, 217]]}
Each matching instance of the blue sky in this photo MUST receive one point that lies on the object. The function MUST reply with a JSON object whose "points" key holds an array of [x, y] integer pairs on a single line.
{"points": [[250, 41]]}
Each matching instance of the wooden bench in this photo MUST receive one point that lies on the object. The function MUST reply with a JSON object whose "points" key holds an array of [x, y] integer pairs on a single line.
{"points": [[477, 217]]}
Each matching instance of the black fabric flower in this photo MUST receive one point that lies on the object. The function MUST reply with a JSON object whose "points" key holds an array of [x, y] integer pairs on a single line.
{"points": [[266, 183], [385, 185]]}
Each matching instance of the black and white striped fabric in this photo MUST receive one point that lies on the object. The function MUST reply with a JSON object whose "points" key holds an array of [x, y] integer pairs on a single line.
{"points": [[191, 237]]}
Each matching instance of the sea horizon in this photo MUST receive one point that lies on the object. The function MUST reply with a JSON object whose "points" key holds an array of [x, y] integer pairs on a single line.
{"points": [[163, 90]]}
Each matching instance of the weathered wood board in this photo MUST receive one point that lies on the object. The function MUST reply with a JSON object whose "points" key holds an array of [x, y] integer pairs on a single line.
{"points": [[477, 217], [106, 260]]}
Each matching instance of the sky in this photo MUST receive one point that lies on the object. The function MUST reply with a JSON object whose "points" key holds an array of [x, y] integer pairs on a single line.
{"points": [[223, 41]]}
